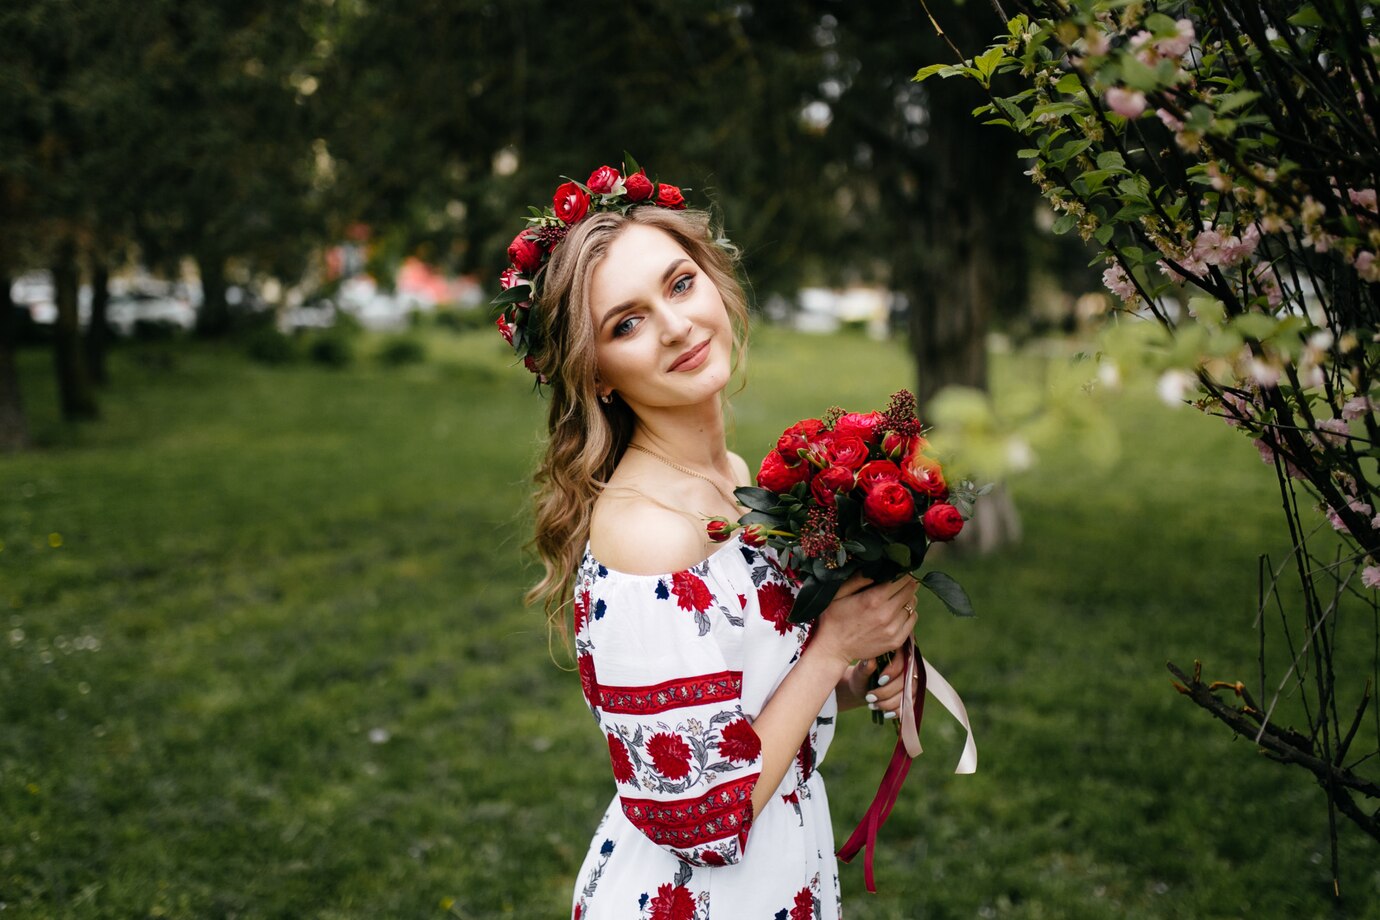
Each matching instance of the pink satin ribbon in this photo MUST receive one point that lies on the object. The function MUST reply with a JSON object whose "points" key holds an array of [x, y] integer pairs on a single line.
{"points": [[922, 676]]}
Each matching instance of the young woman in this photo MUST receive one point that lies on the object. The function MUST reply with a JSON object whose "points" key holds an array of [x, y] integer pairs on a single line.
{"points": [[715, 709]]}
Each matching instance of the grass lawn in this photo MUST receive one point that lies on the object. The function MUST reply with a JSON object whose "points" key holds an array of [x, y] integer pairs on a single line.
{"points": [[263, 654]]}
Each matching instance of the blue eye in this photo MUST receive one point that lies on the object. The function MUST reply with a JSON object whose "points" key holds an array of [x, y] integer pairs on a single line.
{"points": [[624, 327], [683, 284]]}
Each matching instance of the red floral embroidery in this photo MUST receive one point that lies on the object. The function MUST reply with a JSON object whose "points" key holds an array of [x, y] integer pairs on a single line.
{"points": [[691, 592], [719, 687], [673, 902], [775, 600], [588, 682], [804, 908], [581, 609], [739, 741], [712, 858], [688, 824], [618, 756], [670, 755]]}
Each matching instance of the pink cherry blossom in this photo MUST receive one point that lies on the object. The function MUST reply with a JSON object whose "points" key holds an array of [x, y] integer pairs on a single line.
{"points": [[1117, 282], [1177, 46], [1370, 576], [1366, 266], [1333, 431], [1357, 406], [1268, 283], [1170, 122], [1128, 103], [1362, 198]]}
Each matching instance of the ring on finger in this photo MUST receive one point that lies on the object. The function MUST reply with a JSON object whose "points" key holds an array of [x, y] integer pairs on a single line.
{"points": [[909, 609]]}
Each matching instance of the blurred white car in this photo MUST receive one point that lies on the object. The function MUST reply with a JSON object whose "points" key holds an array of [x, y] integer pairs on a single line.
{"points": [[124, 310]]}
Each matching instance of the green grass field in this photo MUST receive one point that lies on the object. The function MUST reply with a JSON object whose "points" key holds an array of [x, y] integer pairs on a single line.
{"points": [[263, 654]]}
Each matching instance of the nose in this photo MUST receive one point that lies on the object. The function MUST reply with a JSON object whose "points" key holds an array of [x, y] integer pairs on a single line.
{"points": [[675, 325]]}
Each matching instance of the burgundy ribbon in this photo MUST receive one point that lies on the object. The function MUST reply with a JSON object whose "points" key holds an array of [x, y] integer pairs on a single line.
{"points": [[865, 834]]}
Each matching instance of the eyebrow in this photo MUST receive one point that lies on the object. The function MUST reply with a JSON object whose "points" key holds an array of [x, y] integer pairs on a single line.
{"points": [[628, 305]]}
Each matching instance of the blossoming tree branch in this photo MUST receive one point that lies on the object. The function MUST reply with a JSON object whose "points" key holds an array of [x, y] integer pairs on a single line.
{"points": [[1222, 159]]}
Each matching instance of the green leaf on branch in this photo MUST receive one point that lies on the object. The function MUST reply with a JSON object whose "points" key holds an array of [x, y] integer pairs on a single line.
{"points": [[1307, 18], [514, 295], [1232, 101], [950, 592], [899, 553], [924, 73], [987, 62]]}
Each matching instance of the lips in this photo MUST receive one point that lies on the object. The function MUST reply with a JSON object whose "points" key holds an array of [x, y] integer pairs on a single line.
{"points": [[692, 356]]}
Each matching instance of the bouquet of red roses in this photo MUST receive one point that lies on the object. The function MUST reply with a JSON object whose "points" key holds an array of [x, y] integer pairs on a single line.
{"points": [[854, 492]]}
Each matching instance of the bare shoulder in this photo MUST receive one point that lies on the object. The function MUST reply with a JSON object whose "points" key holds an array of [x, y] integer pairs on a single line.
{"points": [[741, 471], [638, 536]]}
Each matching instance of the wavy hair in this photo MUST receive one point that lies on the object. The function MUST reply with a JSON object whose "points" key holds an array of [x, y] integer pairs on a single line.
{"points": [[586, 437]]}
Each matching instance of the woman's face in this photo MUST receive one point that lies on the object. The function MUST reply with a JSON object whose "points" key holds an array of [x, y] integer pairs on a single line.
{"points": [[662, 335]]}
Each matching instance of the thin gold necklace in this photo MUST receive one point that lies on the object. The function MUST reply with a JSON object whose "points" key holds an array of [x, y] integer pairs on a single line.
{"points": [[676, 466]]}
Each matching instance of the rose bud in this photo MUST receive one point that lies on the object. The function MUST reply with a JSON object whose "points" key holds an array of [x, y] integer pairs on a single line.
{"points": [[829, 482], [668, 196], [789, 447], [846, 450], [865, 425], [603, 180], [510, 278], [924, 475], [571, 203], [638, 186], [719, 529], [876, 472], [942, 521], [525, 254], [888, 505], [755, 535], [777, 477], [505, 328]]}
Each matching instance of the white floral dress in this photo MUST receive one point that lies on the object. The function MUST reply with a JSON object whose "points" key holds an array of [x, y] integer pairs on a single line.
{"points": [[675, 668]]}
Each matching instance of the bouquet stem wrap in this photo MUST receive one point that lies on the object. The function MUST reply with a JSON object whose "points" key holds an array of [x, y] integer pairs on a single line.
{"points": [[920, 676]]}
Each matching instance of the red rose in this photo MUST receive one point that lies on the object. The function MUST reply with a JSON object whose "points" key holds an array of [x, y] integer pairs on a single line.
{"points": [[673, 902], [797, 438], [755, 535], [775, 601], [830, 481], [889, 504], [525, 254], [865, 425], [603, 179], [942, 521], [739, 741], [804, 908], [817, 453], [875, 472], [670, 755], [571, 202], [589, 683], [691, 592], [510, 278], [924, 475], [668, 196], [618, 756], [846, 450], [719, 529], [505, 328], [777, 476], [638, 185]]}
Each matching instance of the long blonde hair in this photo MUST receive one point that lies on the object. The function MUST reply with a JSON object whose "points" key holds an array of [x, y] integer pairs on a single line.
{"points": [[587, 438]]}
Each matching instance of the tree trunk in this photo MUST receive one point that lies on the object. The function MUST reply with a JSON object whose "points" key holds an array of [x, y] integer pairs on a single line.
{"points": [[976, 223], [98, 331], [14, 427], [213, 318], [74, 384]]}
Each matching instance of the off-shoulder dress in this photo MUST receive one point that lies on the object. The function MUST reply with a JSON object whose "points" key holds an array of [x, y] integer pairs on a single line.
{"points": [[675, 668]]}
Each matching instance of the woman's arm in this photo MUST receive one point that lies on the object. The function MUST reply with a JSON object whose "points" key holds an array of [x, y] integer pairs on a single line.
{"points": [[862, 622]]}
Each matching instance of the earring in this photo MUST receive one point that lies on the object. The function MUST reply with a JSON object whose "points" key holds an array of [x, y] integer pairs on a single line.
{"points": [[606, 398]]}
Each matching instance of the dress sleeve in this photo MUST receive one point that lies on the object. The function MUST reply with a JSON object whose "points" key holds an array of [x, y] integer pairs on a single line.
{"points": [[685, 758]]}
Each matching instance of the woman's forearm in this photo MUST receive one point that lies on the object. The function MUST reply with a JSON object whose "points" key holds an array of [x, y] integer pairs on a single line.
{"points": [[785, 721]]}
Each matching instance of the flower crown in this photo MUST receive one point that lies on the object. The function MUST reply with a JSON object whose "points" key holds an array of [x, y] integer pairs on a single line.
{"points": [[606, 190]]}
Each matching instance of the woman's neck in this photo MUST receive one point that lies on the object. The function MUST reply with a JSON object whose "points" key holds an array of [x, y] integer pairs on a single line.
{"points": [[691, 435]]}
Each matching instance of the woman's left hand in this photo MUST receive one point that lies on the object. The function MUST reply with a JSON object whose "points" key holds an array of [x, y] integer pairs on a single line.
{"points": [[886, 697]]}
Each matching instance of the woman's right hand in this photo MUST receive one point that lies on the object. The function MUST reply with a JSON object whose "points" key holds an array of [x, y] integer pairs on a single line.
{"points": [[867, 618]]}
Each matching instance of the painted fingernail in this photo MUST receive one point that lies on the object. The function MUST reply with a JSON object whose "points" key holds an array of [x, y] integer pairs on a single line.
{"points": [[884, 680], [889, 715], [871, 705], [871, 697]]}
